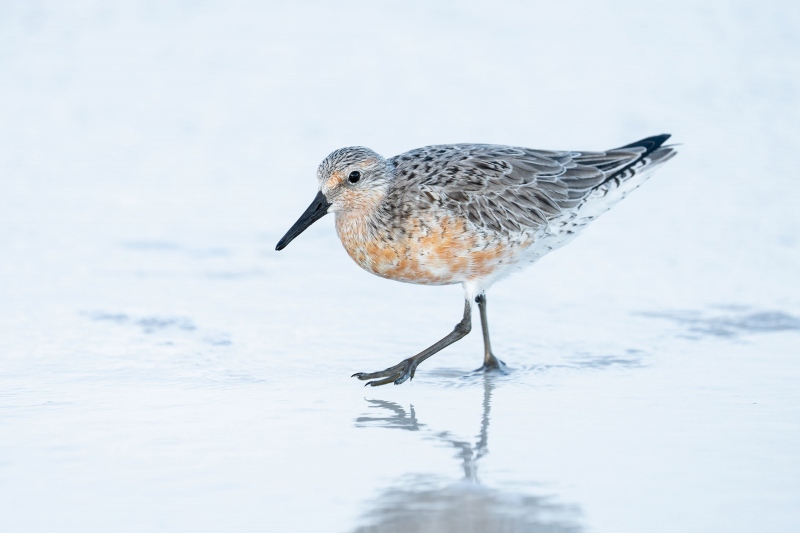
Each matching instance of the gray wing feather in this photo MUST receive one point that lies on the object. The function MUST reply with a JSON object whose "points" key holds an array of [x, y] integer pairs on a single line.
{"points": [[509, 189]]}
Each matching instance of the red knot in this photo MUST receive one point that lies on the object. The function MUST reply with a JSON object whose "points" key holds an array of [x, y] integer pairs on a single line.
{"points": [[467, 213]]}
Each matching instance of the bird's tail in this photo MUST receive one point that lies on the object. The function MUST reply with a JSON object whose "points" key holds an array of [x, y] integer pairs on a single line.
{"points": [[647, 155]]}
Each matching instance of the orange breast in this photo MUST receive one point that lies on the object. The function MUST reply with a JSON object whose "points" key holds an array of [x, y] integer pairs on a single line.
{"points": [[428, 251]]}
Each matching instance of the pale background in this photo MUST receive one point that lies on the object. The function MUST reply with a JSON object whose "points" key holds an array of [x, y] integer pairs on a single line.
{"points": [[162, 368]]}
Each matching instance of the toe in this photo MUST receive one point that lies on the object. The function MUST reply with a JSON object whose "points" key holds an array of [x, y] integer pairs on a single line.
{"points": [[493, 365], [397, 373], [378, 383], [372, 375], [402, 379]]}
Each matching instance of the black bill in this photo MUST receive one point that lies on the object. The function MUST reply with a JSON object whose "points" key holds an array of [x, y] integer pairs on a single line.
{"points": [[317, 210]]}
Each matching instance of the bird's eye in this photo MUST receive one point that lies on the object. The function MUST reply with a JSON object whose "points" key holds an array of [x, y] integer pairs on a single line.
{"points": [[354, 176]]}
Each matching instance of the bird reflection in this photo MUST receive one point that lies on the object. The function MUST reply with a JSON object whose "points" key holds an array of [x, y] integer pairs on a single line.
{"points": [[425, 503]]}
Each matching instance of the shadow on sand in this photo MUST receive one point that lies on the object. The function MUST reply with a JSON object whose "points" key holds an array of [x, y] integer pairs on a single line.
{"points": [[729, 322]]}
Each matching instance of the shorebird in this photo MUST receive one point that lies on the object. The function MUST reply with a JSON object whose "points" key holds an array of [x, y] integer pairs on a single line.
{"points": [[467, 213]]}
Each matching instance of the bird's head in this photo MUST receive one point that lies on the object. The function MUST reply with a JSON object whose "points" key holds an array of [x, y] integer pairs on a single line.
{"points": [[352, 179]]}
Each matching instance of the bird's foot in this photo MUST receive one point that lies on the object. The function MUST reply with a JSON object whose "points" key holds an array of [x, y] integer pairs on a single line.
{"points": [[398, 374], [492, 364]]}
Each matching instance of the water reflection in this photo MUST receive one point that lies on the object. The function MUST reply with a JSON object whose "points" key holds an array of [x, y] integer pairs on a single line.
{"points": [[425, 503]]}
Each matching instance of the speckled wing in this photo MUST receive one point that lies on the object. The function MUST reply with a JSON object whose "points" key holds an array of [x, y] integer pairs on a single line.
{"points": [[510, 190]]}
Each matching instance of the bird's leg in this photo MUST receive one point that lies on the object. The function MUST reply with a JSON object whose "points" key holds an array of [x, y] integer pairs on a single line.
{"points": [[490, 362], [405, 369]]}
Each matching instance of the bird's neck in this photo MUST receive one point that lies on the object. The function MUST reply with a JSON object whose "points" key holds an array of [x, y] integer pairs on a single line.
{"points": [[355, 226], [361, 231]]}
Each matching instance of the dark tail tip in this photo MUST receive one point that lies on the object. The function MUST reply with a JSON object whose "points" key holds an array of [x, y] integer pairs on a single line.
{"points": [[650, 144]]}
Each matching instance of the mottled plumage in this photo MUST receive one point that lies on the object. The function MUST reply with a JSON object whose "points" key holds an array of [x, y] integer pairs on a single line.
{"points": [[469, 213]]}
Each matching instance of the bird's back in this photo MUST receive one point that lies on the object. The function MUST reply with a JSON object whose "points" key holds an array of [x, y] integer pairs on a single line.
{"points": [[507, 190]]}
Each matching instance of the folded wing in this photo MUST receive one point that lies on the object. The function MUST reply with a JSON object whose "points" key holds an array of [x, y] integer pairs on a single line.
{"points": [[511, 190]]}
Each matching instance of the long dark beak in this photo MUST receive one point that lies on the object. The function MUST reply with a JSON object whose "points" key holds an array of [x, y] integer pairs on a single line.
{"points": [[317, 210]]}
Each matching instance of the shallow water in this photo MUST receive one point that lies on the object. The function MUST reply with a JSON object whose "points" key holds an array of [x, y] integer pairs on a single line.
{"points": [[162, 367]]}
